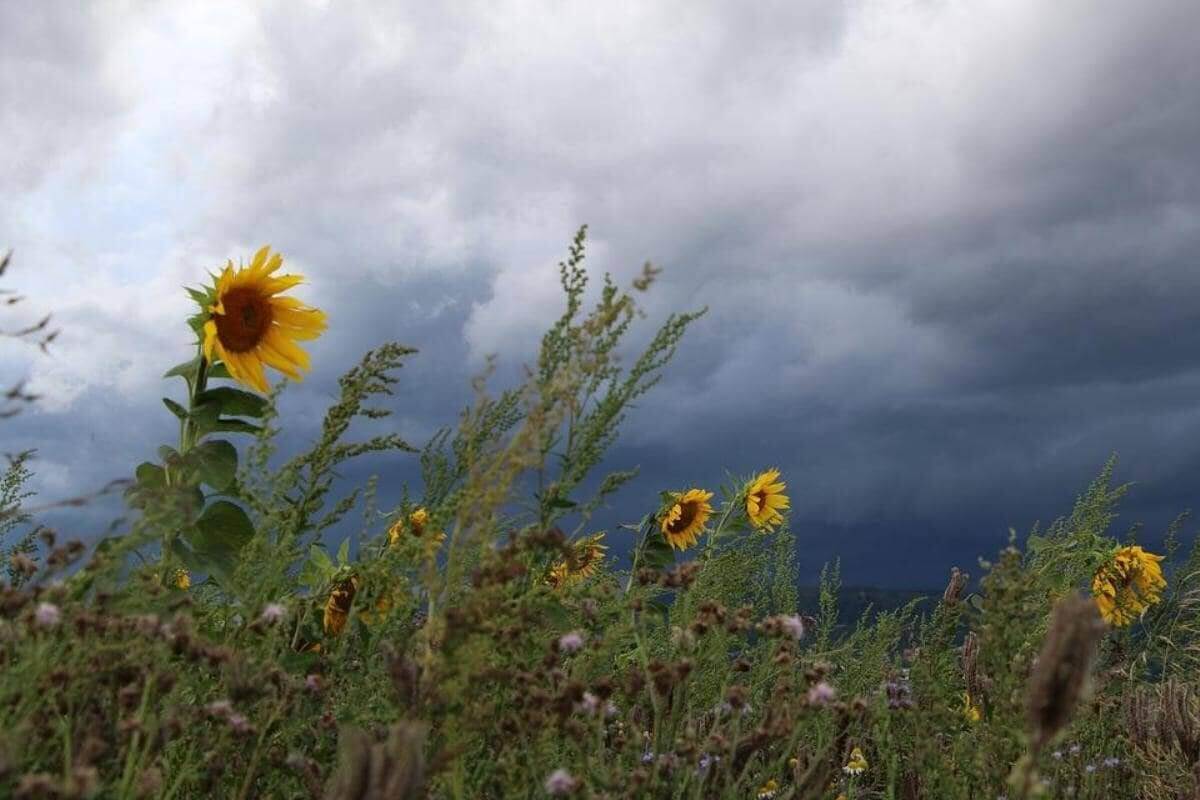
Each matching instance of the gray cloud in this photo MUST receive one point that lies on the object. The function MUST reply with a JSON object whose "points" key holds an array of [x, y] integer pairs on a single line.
{"points": [[949, 251]]}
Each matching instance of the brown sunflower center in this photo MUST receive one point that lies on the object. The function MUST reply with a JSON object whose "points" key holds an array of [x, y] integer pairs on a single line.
{"points": [[687, 513], [245, 321]]}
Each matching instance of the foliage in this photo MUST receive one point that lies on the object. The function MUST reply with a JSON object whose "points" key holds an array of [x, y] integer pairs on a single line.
{"points": [[430, 656]]}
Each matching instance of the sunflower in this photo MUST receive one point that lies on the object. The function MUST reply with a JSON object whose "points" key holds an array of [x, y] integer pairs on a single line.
{"points": [[416, 523], [765, 500], [337, 607], [248, 326], [683, 521], [1127, 585], [585, 558], [183, 579], [971, 709]]}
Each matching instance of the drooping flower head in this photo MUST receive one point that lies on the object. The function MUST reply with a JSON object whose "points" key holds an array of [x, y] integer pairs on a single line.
{"points": [[765, 500], [1128, 584], [684, 519], [249, 326], [337, 607], [586, 556]]}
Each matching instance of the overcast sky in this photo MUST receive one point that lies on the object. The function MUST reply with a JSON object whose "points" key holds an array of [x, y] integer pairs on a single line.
{"points": [[949, 248]]}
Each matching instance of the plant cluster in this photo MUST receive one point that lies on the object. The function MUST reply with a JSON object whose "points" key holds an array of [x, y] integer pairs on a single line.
{"points": [[480, 639]]}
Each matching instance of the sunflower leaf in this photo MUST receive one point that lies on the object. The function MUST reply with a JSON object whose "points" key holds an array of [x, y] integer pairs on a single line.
{"points": [[215, 462], [235, 402], [204, 416], [176, 409], [230, 425], [185, 370], [150, 475], [222, 530]]}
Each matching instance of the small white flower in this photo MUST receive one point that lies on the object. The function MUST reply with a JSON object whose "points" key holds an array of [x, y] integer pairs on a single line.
{"points": [[47, 615], [570, 642], [272, 613], [611, 710], [560, 783]]}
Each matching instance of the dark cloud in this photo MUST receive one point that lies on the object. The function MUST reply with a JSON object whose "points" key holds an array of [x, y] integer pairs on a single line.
{"points": [[949, 253]]}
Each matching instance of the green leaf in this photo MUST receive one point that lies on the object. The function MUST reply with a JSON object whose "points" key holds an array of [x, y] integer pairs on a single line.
{"points": [[229, 425], [168, 454], [221, 531], [215, 462], [176, 409], [343, 553], [218, 370], [319, 557], [235, 402], [150, 474], [186, 370], [204, 417]]}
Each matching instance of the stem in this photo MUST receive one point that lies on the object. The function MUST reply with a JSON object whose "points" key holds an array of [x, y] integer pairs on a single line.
{"points": [[258, 747]]}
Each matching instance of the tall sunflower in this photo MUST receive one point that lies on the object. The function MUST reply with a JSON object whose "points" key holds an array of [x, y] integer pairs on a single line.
{"points": [[1128, 584], [683, 521], [585, 558], [765, 500], [249, 326]]}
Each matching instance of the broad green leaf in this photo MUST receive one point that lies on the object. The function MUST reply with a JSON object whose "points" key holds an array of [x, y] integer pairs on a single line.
{"points": [[215, 462], [229, 425], [218, 370], [150, 474], [204, 416], [343, 553], [221, 531], [656, 553], [235, 402], [168, 454]]}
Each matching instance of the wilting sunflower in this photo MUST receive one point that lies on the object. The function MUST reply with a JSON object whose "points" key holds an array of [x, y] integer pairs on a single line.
{"points": [[1127, 585], [765, 500], [585, 558], [337, 607], [684, 520], [249, 326]]}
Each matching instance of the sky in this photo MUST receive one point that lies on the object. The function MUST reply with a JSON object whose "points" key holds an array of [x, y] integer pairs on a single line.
{"points": [[948, 249]]}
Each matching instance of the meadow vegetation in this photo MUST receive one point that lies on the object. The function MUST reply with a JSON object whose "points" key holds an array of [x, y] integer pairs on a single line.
{"points": [[480, 640]]}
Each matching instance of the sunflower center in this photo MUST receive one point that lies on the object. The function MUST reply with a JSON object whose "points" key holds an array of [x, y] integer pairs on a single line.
{"points": [[687, 513], [245, 321]]}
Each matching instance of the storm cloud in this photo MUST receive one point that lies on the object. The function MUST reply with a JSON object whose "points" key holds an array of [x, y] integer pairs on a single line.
{"points": [[948, 250]]}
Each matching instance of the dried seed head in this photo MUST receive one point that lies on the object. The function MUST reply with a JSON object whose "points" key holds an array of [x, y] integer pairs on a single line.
{"points": [[1062, 667], [954, 588]]}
